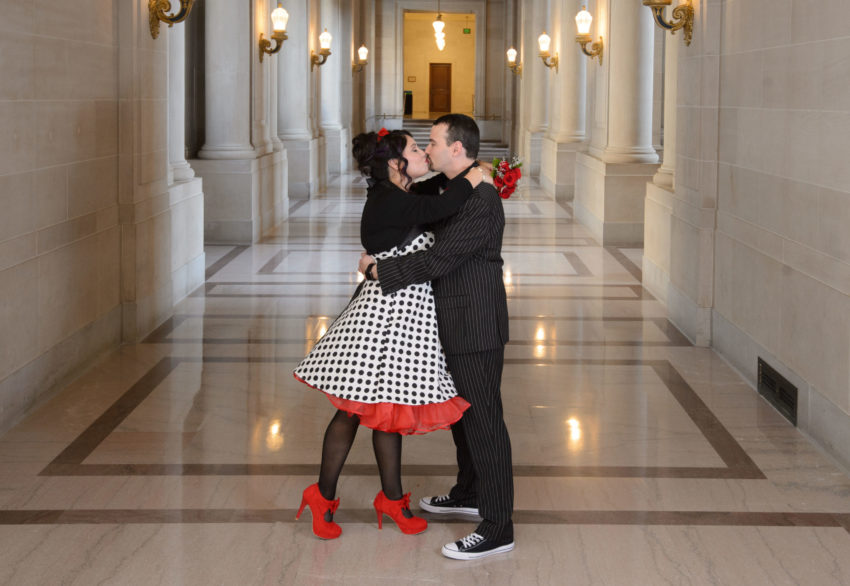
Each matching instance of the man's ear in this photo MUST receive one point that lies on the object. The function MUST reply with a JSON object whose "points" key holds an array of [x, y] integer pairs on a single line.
{"points": [[456, 148]]}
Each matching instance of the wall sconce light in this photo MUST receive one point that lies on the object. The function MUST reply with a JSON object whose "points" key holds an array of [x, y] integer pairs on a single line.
{"points": [[362, 59], [544, 41], [512, 64], [324, 50], [683, 17], [157, 12], [279, 19], [583, 22]]}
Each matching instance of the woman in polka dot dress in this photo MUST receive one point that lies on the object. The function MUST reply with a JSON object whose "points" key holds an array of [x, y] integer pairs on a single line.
{"points": [[381, 363]]}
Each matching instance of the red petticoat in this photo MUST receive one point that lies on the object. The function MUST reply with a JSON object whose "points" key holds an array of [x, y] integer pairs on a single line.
{"points": [[403, 419]]}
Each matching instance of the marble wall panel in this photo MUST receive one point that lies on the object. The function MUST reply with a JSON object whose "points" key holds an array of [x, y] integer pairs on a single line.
{"points": [[834, 85], [815, 335], [17, 137], [50, 196], [16, 66], [819, 19], [58, 140], [92, 185], [19, 287], [833, 232], [67, 295], [16, 203], [17, 16], [684, 256]]}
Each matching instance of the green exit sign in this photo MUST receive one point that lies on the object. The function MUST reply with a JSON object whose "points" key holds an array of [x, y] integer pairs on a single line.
{"points": [[467, 31]]}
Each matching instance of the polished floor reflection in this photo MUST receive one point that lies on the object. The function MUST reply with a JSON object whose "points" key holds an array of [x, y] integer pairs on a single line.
{"points": [[639, 458]]}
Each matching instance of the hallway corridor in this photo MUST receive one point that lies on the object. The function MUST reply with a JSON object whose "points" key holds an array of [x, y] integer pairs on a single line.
{"points": [[639, 458]]}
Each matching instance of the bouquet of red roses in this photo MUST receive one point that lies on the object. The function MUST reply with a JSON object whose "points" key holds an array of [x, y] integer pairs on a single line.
{"points": [[506, 174]]}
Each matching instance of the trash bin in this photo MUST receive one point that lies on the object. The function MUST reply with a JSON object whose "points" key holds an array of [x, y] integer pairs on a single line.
{"points": [[408, 102]]}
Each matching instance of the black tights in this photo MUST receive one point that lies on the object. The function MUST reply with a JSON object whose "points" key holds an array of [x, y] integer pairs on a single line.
{"points": [[339, 438]]}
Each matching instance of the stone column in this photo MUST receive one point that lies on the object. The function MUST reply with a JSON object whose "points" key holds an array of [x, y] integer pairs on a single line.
{"points": [[330, 86], [665, 177], [179, 169], [294, 104], [228, 161], [568, 103], [538, 77], [228, 81], [611, 177], [630, 54]]}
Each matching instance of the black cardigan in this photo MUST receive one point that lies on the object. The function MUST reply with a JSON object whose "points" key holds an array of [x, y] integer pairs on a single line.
{"points": [[390, 212]]}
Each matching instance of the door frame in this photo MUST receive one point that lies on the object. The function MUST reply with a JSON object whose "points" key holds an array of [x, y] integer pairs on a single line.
{"points": [[478, 7]]}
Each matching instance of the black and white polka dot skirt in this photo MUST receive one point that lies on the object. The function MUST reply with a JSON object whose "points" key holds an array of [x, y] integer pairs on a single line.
{"points": [[381, 359]]}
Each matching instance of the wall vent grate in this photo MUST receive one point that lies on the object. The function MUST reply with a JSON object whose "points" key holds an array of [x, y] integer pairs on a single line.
{"points": [[778, 391]]}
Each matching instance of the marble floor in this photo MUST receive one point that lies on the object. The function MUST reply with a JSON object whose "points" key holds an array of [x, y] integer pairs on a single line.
{"points": [[639, 458]]}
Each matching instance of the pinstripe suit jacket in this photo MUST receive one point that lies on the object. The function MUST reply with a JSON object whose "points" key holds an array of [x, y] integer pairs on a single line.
{"points": [[465, 267]]}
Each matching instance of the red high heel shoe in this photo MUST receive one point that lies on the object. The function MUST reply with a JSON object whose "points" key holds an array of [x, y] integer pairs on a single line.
{"points": [[322, 510], [395, 510]]}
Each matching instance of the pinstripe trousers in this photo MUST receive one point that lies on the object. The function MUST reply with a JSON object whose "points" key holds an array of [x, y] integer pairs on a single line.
{"points": [[485, 473]]}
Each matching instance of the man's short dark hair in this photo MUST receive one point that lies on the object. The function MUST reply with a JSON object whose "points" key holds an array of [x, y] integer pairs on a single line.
{"points": [[460, 127]]}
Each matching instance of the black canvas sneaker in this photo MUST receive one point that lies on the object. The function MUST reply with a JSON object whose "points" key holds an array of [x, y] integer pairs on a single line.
{"points": [[474, 546], [445, 504]]}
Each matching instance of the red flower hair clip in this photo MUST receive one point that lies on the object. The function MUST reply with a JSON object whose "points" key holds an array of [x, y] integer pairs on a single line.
{"points": [[382, 133]]}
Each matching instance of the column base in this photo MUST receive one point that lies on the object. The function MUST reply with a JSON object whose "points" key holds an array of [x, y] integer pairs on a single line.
{"points": [[336, 152], [657, 238], [609, 198], [182, 171], [241, 201], [303, 168], [558, 168], [533, 148], [187, 237]]}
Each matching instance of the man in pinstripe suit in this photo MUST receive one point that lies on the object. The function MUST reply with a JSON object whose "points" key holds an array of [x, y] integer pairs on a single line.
{"points": [[465, 267]]}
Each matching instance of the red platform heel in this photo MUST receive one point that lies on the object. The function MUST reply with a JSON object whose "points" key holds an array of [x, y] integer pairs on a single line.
{"points": [[323, 513], [395, 510]]}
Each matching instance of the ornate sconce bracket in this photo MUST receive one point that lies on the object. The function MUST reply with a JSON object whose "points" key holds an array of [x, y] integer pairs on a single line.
{"points": [[516, 68], [266, 44], [550, 61], [595, 48], [158, 11], [317, 60], [683, 17]]}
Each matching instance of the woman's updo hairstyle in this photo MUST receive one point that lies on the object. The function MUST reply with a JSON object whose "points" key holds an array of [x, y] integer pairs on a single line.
{"points": [[373, 151]]}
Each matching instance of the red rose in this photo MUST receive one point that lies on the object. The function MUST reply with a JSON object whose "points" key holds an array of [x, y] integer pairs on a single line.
{"points": [[511, 177], [498, 182], [504, 166], [506, 192]]}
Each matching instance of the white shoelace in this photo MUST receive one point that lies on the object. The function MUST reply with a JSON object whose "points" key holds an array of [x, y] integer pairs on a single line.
{"points": [[441, 499], [471, 540]]}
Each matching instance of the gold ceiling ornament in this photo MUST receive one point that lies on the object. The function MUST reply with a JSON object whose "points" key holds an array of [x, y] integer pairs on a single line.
{"points": [[159, 9], [683, 17]]}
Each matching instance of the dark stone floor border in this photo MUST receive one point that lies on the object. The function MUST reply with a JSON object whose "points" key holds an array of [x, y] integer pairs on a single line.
{"points": [[627, 263], [224, 261], [70, 462], [674, 337], [345, 516]]}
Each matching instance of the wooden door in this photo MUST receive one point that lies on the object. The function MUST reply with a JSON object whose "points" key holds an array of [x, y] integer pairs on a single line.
{"points": [[440, 87]]}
